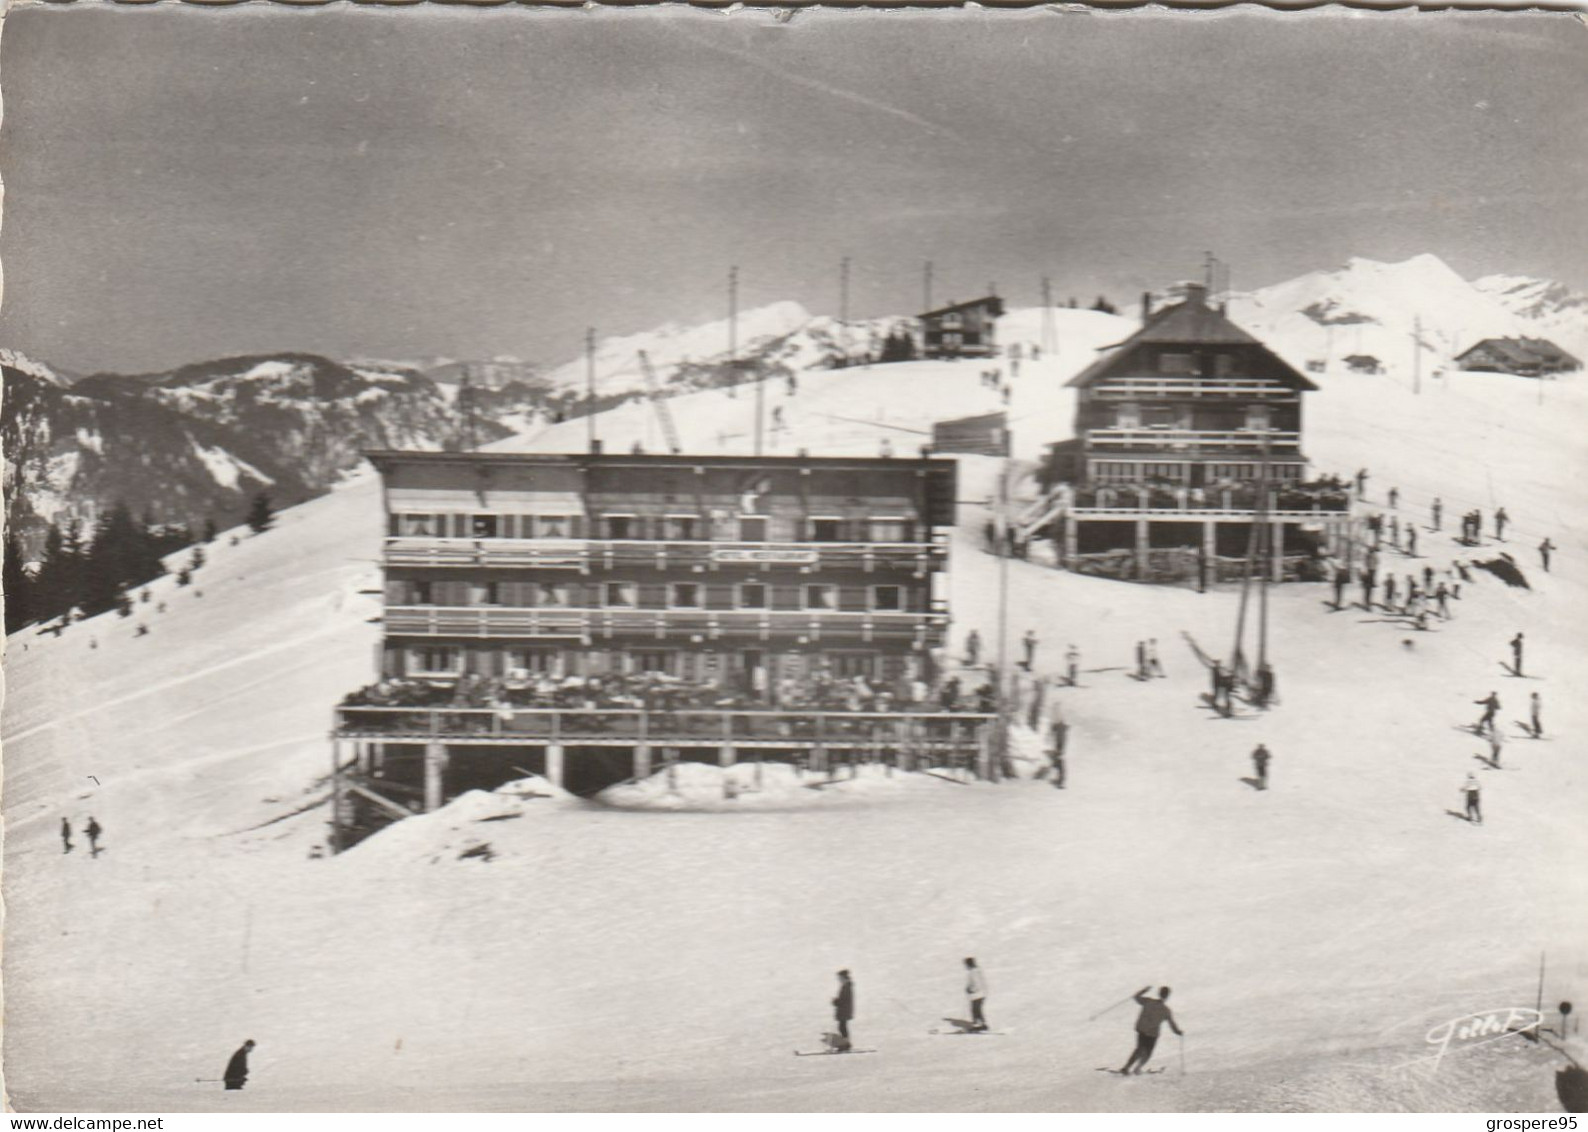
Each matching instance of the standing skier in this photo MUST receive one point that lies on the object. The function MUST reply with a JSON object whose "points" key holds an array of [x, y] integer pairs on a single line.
{"points": [[1260, 759], [1154, 665], [1141, 661], [1072, 665], [93, 831], [1516, 654], [1442, 596], [1029, 644], [1534, 709], [1059, 734], [236, 1075], [1361, 483], [1154, 1013], [1471, 789], [1368, 581], [972, 649], [1500, 519], [1491, 707], [1437, 509], [1389, 591], [1544, 549], [1496, 746], [1394, 497], [976, 991], [66, 835], [1342, 578], [844, 1010], [1411, 540]]}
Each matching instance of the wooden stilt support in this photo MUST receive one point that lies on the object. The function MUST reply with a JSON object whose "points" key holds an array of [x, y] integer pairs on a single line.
{"points": [[1279, 552], [1071, 541], [642, 761], [1142, 544], [336, 796], [554, 764], [435, 776]]}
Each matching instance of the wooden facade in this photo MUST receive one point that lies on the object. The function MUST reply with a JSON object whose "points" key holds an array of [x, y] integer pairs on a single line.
{"points": [[1185, 434], [962, 330]]}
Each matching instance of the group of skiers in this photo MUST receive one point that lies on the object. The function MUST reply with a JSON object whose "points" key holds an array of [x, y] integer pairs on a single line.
{"points": [[92, 831], [1151, 1019]]}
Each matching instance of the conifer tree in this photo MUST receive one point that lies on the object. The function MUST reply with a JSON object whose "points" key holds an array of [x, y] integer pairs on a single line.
{"points": [[260, 514], [18, 586]]}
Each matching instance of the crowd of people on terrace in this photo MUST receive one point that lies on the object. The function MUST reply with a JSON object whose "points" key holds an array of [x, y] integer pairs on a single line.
{"points": [[1329, 493], [821, 691]]}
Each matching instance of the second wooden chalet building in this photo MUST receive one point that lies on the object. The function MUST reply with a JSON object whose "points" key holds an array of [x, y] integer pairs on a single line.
{"points": [[1184, 434]]}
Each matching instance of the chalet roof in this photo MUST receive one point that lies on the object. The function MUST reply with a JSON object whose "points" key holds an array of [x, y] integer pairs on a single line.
{"points": [[992, 302], [1189, 323], [1523, 350]]}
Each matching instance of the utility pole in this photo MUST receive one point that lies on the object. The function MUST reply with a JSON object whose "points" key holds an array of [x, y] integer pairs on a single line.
{"points": [[589, 387], [1417, 355], [1207, 272], [1049, 330], [843, 305], [927, 284]]}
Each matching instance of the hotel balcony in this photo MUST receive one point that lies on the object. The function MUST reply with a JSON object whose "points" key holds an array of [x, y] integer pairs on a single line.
{"points": [[585, 555], [513, 623], [1194, 441]]}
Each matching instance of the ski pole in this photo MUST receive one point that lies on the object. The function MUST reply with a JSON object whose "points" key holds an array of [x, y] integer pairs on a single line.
{"points": [[1106, 1009]]}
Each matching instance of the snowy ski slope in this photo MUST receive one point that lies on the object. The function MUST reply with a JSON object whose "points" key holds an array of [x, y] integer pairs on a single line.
{"points": [[672, 960]]}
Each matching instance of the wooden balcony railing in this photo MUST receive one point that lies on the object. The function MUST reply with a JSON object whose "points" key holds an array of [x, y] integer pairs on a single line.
{"points": [[605, 554], [692, 727], [509, 622], [1195, 440]]}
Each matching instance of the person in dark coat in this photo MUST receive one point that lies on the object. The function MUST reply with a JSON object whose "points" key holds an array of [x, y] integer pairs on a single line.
{"points": [[1060, 737], [1260, 759], [236, 1075], [1544, 549], [1500, 519], [66, 835], [1490, 706], [93, 831], [1516, 654], [976, 991], [1535, 708], [844, 1008], [1437, 509], [1342, 578], [1154, 1013]]}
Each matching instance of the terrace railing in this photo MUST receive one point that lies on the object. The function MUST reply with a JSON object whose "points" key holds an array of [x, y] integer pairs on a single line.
{"points": [[1194, 440], [924, 730], [508, 622], [605, 554]]}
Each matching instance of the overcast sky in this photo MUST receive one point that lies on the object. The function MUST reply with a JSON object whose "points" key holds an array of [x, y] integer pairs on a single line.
{"points": [[184, 183]]}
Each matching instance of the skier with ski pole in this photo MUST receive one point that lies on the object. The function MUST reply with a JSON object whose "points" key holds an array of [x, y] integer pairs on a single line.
{"points": [[1154, 1013]]}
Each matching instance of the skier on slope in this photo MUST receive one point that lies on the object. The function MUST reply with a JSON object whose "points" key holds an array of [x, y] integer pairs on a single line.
{"points": [[1472, 790], [1535, 709], [1491, 706], [1394, 497], [1342, 578], [66, 835], [844, 1011], [1516, 654], [1544, 549], [1154, 665], [1072, 665], [1141, 661], [1029, 644], [1437, 509], [1154, 1013], [93, 831], [972, 649], [1389, 592], [1411, 540], [1500, 519], [236, 1075], [1260, 759], [976, 991], [1059, 734], [1369, 579]]}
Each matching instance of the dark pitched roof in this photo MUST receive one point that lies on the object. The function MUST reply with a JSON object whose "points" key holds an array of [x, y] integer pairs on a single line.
{"points": [[1523, 350], [1189, 323], [993, 302]]}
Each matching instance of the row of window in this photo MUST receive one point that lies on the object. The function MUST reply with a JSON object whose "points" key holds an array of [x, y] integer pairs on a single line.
{"points": [[1188, 364], [1254, 418], [675, 528], [449, 660], [1138, 471], [816, 596]]}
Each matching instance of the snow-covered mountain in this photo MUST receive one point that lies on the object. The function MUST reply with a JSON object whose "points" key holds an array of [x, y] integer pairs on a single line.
{"points": [[197, 441], [1371, 310], [1553, 310]]}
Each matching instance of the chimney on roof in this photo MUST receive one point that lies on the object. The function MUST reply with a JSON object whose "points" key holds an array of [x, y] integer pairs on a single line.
{"points": [[1146, 305], [1196, 293]]}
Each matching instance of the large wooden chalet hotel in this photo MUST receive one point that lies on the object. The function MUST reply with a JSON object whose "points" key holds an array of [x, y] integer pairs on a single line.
{"points": [[1186, 434], [590, 617]]}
